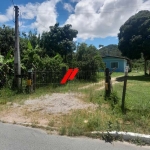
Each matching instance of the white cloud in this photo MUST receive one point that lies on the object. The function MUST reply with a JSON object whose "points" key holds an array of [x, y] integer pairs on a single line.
{"points": [[7, 16], [75, 1], [68, 7], [92, 18], [102, 18], [44, 14], [3, 18]]}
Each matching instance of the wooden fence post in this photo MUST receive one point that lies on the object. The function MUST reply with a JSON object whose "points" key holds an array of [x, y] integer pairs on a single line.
{"points": [[124, 90], [107, 83], [34, 80]]}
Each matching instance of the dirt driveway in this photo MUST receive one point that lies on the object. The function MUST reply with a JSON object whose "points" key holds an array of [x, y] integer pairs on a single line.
{"points": [[42, 110]]}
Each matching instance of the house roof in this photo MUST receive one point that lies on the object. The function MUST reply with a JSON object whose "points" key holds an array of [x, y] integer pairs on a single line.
{"points": [[121, 57]]}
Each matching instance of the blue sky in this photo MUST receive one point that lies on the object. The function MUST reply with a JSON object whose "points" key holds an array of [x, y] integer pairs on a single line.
{"points": [[97, 21]]}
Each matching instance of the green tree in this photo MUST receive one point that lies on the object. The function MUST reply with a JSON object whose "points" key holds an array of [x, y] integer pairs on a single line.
{"points": [[88, 60], [31, 55], [7, 39], [59, 40], [134, 36], [34, 39]]}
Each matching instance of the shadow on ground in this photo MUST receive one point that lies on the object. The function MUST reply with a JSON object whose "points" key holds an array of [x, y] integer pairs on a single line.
{"points": [[120, 79], [139, 78]]}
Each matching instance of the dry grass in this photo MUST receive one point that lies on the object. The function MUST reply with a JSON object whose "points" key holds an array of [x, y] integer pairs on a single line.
{"points": [[106, 116]]}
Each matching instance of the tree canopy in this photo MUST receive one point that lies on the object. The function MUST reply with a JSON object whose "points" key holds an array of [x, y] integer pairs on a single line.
{"points": [[134, 36], [7, 39], [88, 60], [59, 40], [51, 51]]}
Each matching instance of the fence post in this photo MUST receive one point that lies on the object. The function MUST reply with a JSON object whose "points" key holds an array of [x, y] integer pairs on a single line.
{"points": [[34, 77], [124, 90], [107, 83], [34, 80], [63, 71], [30, 80]]}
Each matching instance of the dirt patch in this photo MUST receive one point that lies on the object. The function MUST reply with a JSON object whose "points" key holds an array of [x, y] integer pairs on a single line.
{"points": [[56, 103], [44, 109]]}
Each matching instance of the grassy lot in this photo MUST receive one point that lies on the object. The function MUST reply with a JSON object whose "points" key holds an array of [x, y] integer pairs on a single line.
{"points": [[6, 95], [108, 115]]}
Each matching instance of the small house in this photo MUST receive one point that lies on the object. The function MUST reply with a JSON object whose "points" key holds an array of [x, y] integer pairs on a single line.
{"points": [[117, 62]]}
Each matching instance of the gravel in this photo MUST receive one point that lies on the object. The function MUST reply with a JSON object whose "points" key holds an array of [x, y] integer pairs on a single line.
{"points": [[57, 103]]}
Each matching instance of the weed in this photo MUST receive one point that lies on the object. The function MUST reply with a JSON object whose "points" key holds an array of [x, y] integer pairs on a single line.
{"points": [[34, 123], [51, 123], [108, 137], [62, 131], [74, 131], [93, 123], [14, 122], [114, 98]]}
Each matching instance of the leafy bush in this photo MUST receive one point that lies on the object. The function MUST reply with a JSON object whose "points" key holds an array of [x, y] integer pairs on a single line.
{"points": [[88, 60]]}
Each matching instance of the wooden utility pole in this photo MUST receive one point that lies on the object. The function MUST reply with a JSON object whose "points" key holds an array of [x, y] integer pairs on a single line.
{"points": [[17, 67], [124, 90]]}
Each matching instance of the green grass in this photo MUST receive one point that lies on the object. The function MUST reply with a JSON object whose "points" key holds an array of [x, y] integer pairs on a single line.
{"points": [[7, 95], [116, 74], [108, 116]]}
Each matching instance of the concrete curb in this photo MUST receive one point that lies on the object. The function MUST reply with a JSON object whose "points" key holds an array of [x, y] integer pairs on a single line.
{"points": [[127, 136]]}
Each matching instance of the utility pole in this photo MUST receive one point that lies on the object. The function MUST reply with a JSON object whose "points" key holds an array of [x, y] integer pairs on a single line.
{"points": [[17, 67]]}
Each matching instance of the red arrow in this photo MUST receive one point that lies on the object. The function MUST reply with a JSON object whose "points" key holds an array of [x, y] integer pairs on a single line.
{"points": [[75, 71], [70, 74], [66, 76]]}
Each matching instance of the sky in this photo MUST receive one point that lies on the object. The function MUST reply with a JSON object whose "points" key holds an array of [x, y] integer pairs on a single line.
{"points": [[97, 21]]}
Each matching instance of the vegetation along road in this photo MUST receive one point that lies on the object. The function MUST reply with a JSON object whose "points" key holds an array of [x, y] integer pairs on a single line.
{"points": [[14, 137]]}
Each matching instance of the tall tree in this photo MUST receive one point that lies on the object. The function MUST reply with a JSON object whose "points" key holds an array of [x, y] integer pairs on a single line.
{"points": [[134, 36], [88, 60], [7, 39], [59, 40], [33, 38]]}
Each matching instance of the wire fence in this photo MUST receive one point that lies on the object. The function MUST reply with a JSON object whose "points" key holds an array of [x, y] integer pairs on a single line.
{"points": [[137, 95], [135, 98], [43, 78]]}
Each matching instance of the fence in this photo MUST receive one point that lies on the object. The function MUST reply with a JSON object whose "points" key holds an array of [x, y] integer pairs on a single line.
{"points": [[137, 92], [38, 79]]}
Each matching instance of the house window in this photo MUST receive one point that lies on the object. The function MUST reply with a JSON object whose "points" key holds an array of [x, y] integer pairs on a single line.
{"points": [[114, 65]]}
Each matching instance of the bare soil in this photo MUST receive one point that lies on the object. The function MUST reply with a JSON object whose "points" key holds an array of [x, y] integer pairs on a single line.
{"points": [[43, 109], [47, 109]]}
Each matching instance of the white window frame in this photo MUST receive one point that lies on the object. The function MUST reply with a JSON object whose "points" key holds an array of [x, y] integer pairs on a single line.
{"points": [[115, 62]]}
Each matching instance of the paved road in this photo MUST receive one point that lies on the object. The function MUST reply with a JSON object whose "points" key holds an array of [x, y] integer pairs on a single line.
{"points": [[14, 137]]}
